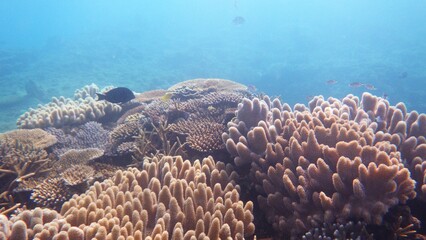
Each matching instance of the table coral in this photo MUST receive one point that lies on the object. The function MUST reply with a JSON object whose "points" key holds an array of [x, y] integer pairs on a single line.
{"points": [[36, 137]]}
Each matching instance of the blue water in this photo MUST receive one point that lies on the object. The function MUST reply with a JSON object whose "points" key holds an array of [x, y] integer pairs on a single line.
{"points": [[285, 48]]}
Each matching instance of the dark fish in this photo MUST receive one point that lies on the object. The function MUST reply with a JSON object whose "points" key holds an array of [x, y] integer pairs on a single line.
{"points": [[355, 84], [117, 95], [331, 82], [385, 96], [238, 20]]}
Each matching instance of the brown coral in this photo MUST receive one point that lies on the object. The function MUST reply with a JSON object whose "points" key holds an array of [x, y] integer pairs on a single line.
{"points": [[210, 84], [195, 117], [317, 165], [37, 224], [170, 198], [17, 163], [77, 156], [65, 111], [203, 134], [51, 192], [35, 137]]}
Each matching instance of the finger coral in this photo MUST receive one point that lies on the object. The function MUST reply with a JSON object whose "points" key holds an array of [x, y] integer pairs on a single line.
{"points": [[406, 130], [317, 164], [65, 111], [39, 223], [169, 198]]}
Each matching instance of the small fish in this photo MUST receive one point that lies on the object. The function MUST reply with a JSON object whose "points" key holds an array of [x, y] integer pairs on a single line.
{"points": [[238, 20], [331, 82], [403, 75], [379, 119], [310, 97], [166, 97], [211, 108], [117, 95], [355, 84], [370, 86], [251, 88], [385, 96]]}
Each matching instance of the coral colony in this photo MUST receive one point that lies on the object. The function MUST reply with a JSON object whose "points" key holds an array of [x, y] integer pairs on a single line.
{"points": [[209, 159]]}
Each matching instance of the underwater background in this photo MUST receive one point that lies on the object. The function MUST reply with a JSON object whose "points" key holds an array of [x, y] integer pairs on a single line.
{"points": [[292, 49], [179, 119]]}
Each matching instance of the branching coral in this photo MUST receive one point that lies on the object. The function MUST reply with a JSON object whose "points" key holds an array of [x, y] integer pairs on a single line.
{"points": [[17, 163], [155, 143], [37, 224], [65, 111], [169, 198], [73, 173], [406, 130], [317, 165]]}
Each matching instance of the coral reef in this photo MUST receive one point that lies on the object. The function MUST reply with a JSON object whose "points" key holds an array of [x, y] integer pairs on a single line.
{"points": [[77, 157], [65, 111], [73, 173], [19, 161], [196, 114], [210, 84], [38, 223], [169, 198], [202, 134], [345, 168], [88, 135], [38, 138], [349, 230], [317, 164]]}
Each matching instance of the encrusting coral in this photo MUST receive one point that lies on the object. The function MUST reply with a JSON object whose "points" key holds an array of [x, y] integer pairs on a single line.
{"points": [[317, 165], [65, 111], [169, 199]]}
